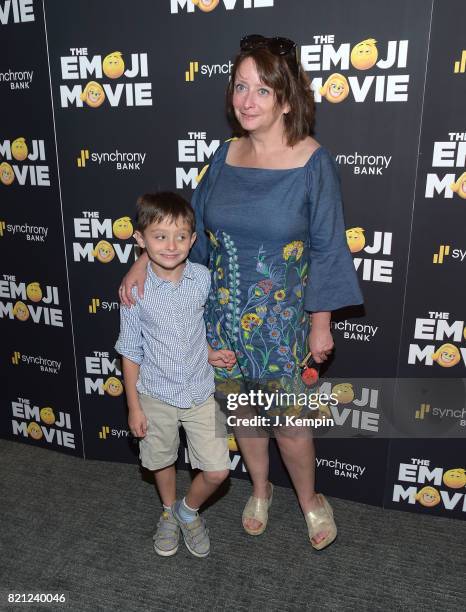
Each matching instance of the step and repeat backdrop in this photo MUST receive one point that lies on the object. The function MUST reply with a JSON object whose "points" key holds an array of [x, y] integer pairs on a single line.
{"points": [[103, 101]]}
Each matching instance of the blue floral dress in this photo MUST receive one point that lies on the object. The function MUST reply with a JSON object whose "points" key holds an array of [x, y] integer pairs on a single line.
{"points": [[274, 241]]}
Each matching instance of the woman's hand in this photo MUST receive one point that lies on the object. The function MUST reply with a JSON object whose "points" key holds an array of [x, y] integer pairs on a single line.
{"points": [[320, 339], [135, 277], [223, 358]]}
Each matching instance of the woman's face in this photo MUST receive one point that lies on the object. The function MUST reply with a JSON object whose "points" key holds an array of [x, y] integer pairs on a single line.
{"points": [[255, 103]]}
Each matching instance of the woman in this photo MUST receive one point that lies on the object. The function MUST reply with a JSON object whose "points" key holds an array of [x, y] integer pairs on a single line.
{"points": [[269, 219]]}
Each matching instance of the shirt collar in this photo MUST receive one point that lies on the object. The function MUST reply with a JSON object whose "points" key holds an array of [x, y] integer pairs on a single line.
{"points": [[188, 272]]}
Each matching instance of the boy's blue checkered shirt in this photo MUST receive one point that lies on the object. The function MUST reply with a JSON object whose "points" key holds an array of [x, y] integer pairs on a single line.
{"points": [[165, 334]]}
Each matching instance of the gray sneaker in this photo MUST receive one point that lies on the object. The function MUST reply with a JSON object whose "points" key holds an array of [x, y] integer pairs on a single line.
{"points": [[167, 536], [195, 534]]}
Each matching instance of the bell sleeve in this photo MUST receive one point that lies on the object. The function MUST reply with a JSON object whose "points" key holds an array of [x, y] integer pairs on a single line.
{"points": [[332, 280]]}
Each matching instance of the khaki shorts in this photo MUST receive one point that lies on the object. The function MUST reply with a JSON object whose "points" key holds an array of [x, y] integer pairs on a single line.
{"points": [[205, 432]]}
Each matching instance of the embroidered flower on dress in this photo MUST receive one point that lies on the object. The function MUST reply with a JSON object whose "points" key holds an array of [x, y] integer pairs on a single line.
{"points": [[250, 320], [266, 285], [279, 295], [223, 295], [261, 311], [220, 273], [293, 249], [287, 314]]}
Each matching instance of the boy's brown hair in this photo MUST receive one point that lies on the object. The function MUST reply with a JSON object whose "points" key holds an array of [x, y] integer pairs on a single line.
{"points": [[156, 207]]}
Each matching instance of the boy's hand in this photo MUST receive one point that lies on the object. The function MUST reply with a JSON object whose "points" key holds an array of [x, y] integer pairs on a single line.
{"points": [[137, 422], [223, 358]]}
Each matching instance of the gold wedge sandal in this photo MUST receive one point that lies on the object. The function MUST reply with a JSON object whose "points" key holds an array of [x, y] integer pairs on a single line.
{"points": [[320, 520], [258, 509]]}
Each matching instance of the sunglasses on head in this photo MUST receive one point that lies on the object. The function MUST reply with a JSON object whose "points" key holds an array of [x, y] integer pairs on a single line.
{"points": [[275, 44]]}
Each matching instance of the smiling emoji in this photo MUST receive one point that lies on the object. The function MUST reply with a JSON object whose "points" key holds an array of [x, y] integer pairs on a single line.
{"points": [[455, 479], [20, 311], [19, 149], [460, 186], [335, 88], [113, 386], [7, 176], [447, 355], [355, 239], [206, 5], [93, 94], [364, 55], [104, 251], [123, 228], [47, 415], [113, 65], [428, 497], [344, 393], [34, 430], [34, 292]]}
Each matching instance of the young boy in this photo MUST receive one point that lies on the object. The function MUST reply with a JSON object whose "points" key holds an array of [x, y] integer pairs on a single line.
{"points": [[168, 373]]}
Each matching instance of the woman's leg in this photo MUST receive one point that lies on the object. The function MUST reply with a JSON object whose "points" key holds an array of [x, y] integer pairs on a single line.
{"points": [[298, 454], [255, 453]]}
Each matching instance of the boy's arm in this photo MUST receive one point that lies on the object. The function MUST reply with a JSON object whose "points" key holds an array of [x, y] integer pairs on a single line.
{"points": [[136, 418]]}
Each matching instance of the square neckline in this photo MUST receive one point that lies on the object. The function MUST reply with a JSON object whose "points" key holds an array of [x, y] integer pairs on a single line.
{"points": [[313, 154]]}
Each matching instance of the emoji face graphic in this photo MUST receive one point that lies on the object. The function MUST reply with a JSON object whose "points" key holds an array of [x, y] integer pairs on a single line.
{"points": [[34, 292], [123, 228], [113, 65], [21, 312], [231, 441], [206, 5], [344, 393], [113, 386], [364, 55], [34, 430], [428, 497], [447, 356], [47, 415], [104, 251], [455, 479], [93, 95], [7, 176], [335, 89], [355, 239], [460, 186], [19, 149]]}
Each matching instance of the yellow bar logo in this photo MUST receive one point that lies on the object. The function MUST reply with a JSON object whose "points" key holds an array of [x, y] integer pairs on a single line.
{"points": [[460, 65], [193, 68], [15, 358], [95, 303], [2, 228], [423, 410], [104, 432], [443, 252], [81, 160]]}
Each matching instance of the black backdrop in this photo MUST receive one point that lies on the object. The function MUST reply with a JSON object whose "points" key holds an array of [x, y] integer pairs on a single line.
{"points": [[400, 141]]}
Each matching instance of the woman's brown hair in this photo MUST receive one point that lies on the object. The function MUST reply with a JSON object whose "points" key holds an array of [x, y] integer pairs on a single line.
{"points": [[291, 86]]}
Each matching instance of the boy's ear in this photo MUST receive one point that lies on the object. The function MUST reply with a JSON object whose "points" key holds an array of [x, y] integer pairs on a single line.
{"points": [[193, 239], [139, 239]]}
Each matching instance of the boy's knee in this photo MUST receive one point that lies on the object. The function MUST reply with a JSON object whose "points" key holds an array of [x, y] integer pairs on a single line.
{"points": [[216, 478]]}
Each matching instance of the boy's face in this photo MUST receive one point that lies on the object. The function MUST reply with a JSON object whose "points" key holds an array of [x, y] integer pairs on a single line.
{"points": [[167, 243]]}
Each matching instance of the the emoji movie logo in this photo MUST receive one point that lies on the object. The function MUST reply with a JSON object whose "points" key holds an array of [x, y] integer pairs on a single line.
{"points": [[95, 69], [17, 159]]}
